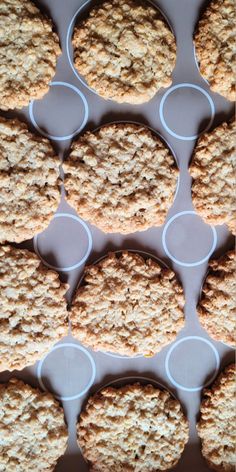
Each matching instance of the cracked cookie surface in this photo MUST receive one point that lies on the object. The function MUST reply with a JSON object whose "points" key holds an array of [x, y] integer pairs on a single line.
{"points": [[215, 46], [125, 50], [216, 426], [29, 173], [216, 307], [33, 434], [121, 178], [213, 172], [134, 428], [33, 308], [28, 53], [127, 306]]}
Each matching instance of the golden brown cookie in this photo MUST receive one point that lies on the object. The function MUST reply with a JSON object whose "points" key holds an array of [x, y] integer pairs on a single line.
{"points": [[125, 50], [216, 426], [215, 46], [127, 306], [33, 434], [33, 308], [216, 307], [28, 53], [213, 172], [121, 178], [29, 174], [134, 428]]}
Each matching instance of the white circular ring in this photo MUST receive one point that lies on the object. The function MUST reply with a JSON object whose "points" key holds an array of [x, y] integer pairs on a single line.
{"points": [[161, 112], [182, 387], [117, 356], [84, 258], [197, 64], [90, 383], [138, 377], [69, 136], [69, 35], [68, 43], [177, 261]]}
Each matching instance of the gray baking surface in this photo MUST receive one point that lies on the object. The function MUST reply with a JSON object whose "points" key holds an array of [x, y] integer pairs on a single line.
{"points": [[183, 242]]}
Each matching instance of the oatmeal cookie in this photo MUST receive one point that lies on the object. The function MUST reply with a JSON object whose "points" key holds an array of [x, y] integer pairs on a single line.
{"points": [[134, 428], [213, 172], [215, 46], [29, 174], [216, 308], [28, 53], [121, 178], [127, 306], [33, 434], [216, 427], [33, 309], [125, 50]]}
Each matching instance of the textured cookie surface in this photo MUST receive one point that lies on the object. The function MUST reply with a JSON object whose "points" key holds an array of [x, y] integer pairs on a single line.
{"points": [[127, 306], [215, 46], [216, 427], [33, 308], [33, 434], [29, 173], [121, 178], [216, 308], [125, 50], [213, 171], [133, 428], [28, 53]]}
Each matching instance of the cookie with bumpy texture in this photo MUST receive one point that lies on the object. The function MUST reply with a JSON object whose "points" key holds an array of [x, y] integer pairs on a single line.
{"points": [[33, 309], [33, 434], [29, 174], [213, 172], [215, 46], [216, 427], [216, 309], [125, 50], [121, 178], [127, 305], [28, 53], [133, 428]]}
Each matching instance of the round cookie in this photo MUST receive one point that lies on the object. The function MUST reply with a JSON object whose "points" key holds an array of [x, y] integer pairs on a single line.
{"points": [[213, 172], [28, 55], [29, 174], [33, 434], [127, 306], [134, 428], [122, 178], [215, 46], [33, 309], [216, 309], [125, 50], [216, 426]]}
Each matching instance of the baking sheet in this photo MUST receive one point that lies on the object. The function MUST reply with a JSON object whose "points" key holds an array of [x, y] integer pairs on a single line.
{"points": [[184, 242]]}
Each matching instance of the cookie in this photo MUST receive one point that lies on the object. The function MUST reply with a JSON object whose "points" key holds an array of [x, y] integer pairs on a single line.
{"points": [[216, 426], [134, 428], [33, 309], [33, 434], [127, 306], [28, 54], [216, 309], [29, 174], [121, 178], [125, 50], [213, 172], [215, 48]]}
